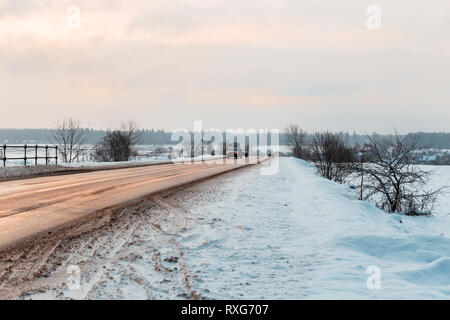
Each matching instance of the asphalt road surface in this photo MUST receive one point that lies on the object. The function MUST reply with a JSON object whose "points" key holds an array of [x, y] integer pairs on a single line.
{"points": [[39, 205]]}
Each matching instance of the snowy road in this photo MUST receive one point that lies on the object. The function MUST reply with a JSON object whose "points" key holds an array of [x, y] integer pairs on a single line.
{"points": [[29, 207], [293, 235]]}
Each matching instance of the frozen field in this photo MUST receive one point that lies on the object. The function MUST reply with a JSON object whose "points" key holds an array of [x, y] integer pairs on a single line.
{"points": [[293, 235], [146, 153]]}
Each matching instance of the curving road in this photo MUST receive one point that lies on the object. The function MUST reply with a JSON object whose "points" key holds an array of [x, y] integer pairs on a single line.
{"points": [[33, 206]]}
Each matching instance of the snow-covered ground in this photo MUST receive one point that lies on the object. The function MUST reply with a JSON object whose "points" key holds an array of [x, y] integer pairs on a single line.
{"points": [[293, 235], [146, 153], [441, 177], [296, 235]]}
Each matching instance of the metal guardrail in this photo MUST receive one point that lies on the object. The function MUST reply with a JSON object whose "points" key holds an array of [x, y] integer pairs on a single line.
{"points": [[25, 158]]}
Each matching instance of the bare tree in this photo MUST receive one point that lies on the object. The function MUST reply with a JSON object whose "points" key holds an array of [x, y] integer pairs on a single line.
{"points": [[69, 135], [131, 130], [297, 138], [332, 158], [361, 157], [118, 145], [393, 181]]}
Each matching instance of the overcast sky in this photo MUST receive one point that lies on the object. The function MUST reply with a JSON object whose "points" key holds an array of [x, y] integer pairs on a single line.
{"points": [[229, 63]]}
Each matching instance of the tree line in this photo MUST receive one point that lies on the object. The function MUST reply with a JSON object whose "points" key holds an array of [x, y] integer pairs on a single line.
{"points": [[436, 140]]}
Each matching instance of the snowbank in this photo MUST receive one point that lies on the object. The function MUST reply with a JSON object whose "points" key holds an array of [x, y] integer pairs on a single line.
{"points": [[17, 172], [296, 235]]}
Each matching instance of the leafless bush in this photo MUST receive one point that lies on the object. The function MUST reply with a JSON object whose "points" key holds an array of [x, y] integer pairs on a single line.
{"points": [[297, 138], [118, 145], [332, 157], [69, 136], [390, 178]]}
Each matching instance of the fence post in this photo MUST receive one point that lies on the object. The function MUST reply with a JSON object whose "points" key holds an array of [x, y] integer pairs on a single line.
{"points": [[56, 156], [35, 154], [4, 155], [25, 155], [46, 154]]}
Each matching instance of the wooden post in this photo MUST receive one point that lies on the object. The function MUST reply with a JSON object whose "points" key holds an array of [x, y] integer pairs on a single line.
{"points": [[46, 154]]}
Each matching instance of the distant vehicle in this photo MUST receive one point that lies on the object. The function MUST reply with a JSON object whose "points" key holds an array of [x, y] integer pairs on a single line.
{"points": [[234, 150], [247, 151]]}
